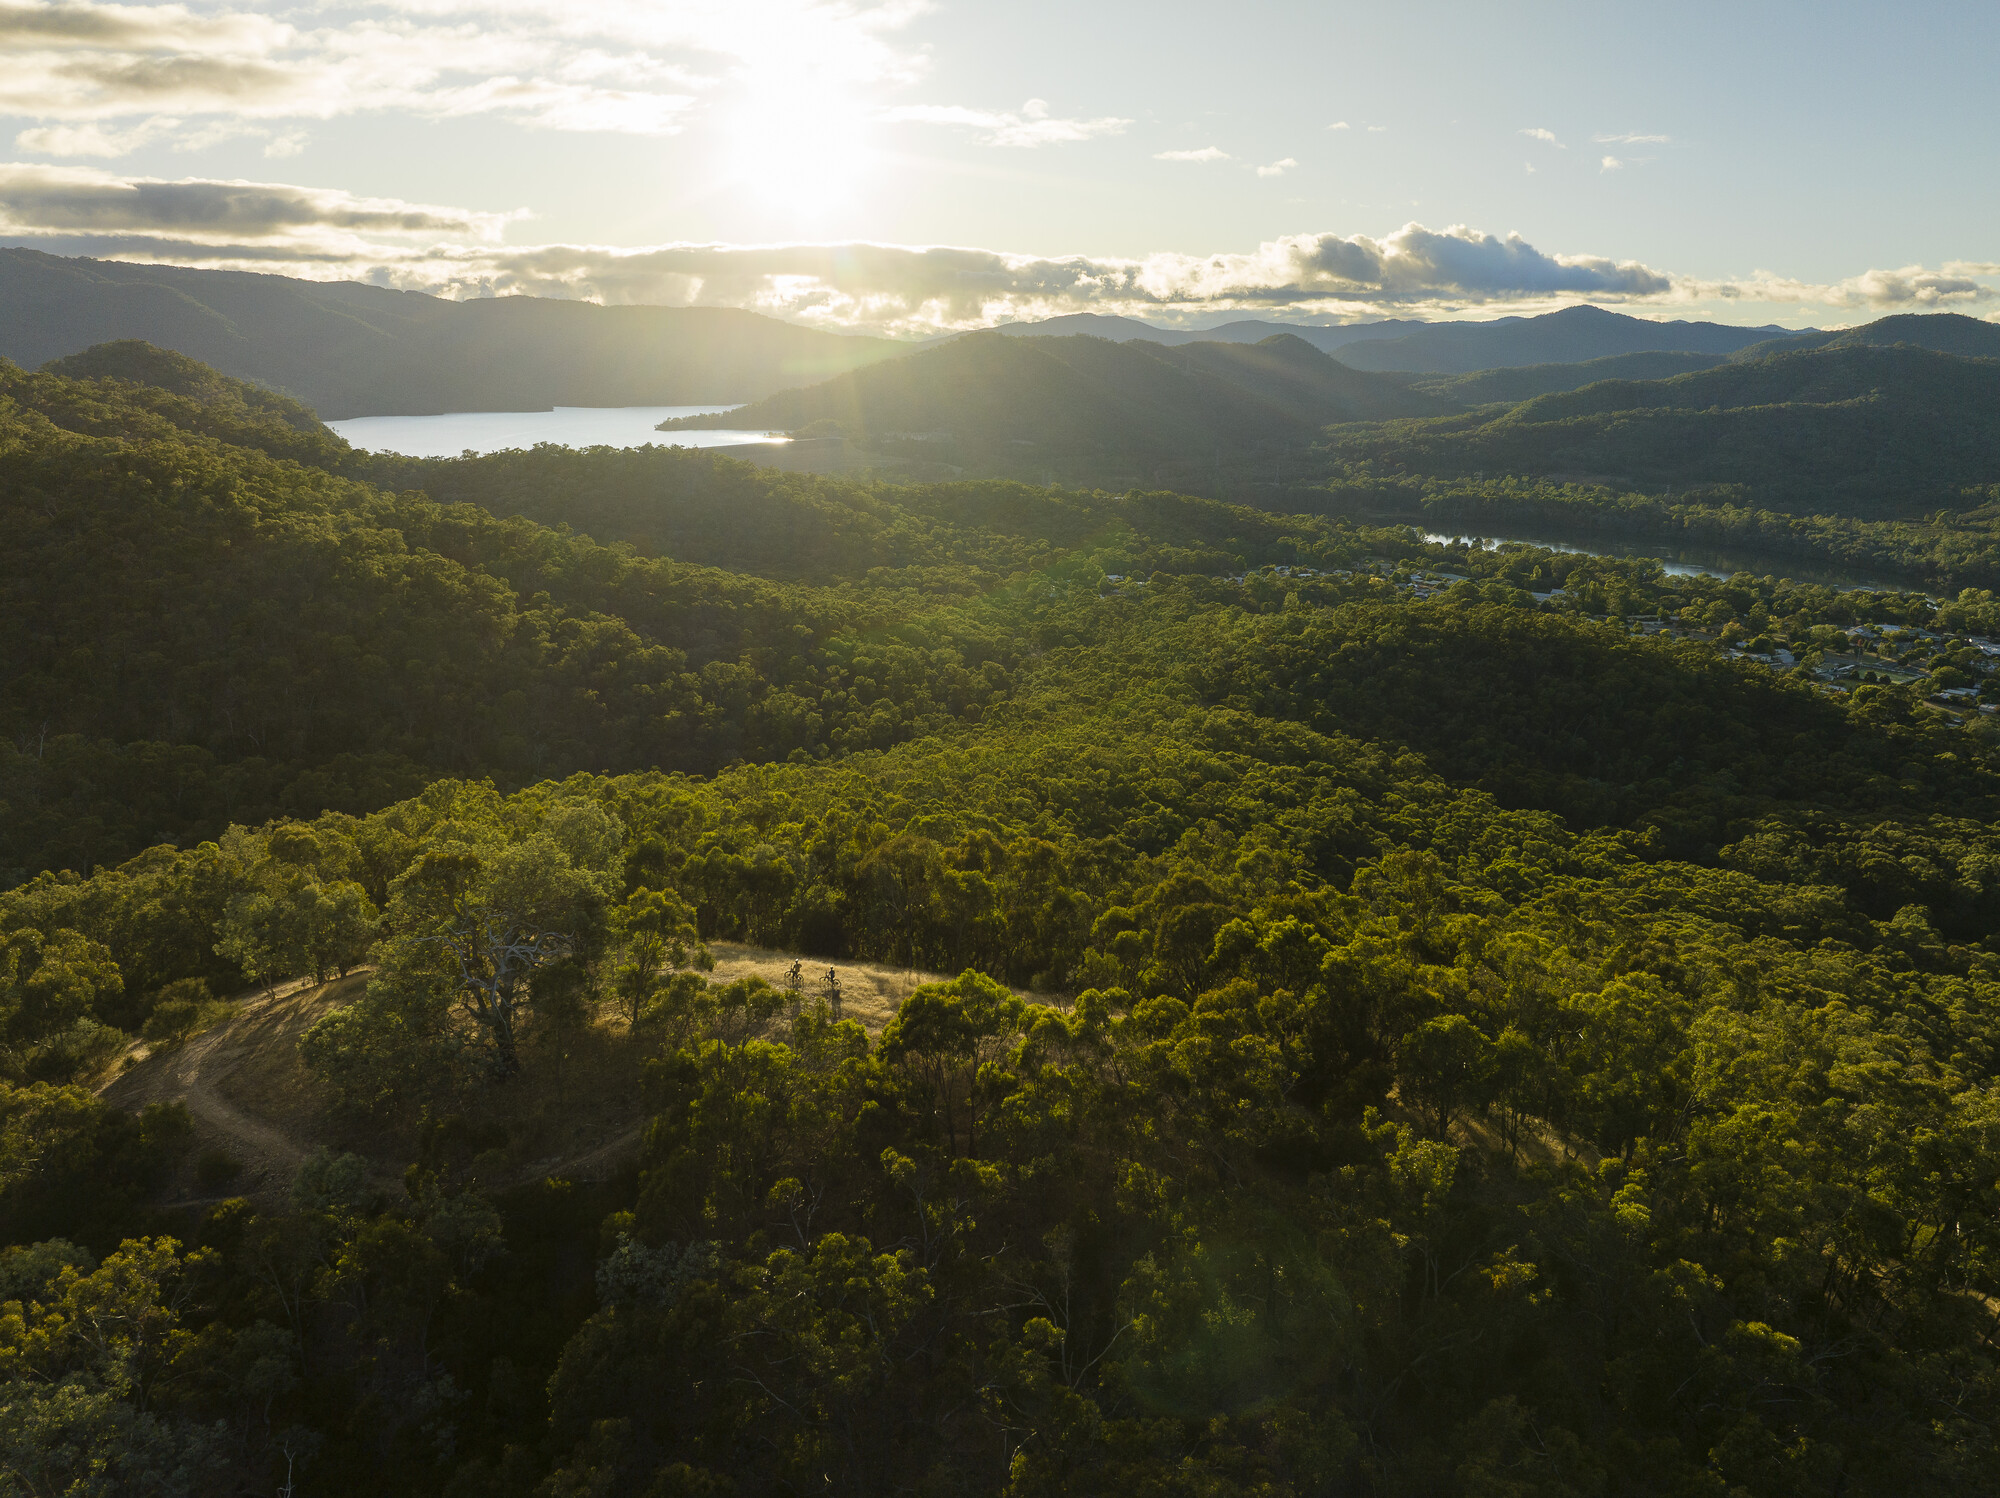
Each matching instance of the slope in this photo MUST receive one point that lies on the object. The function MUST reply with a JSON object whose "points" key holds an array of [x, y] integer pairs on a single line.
{"points": [[1873, 433], [352, 350], [1521, 382], [1065, 399], [200, 629], [1241, 330], [1571, 336], [1940, 332]]}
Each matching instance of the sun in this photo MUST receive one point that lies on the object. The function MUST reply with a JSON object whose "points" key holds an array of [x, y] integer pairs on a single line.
{"points": [[801, 151]]}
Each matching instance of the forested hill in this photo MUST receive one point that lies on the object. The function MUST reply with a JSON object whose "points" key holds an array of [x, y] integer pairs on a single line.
{"points": [[1079, 399], [1571, 336], [347, 349], [1512, 383], [1848, 430], [1357, 1018], [1940, 332], [211, 616]]}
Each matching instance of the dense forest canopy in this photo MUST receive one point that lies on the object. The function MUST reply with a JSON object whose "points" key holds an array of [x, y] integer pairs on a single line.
{"points": [[1875, 433], [1871, 452], [1385, 1018]]}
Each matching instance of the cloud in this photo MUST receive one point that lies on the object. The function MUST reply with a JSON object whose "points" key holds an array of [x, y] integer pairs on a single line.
{"points": [[899, 289], [141, 74], [1032, 126], [1545, 135], [1632, 140], [1206, 153], [82, 24], [1611, 164], [1956, 283], [1338, 125], [69, 200], [1378, 129], [1276, 168]]}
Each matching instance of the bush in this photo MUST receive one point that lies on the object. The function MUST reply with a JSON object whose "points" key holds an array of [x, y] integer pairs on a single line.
{"points": [[216, 1168], [180, 1009], [71, 1055]]}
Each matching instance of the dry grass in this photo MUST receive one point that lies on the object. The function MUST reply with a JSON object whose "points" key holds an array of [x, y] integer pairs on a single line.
{"points": [[870, 991], [577, 1104]]}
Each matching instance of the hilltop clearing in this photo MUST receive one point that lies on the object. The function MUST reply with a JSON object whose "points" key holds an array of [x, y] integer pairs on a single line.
{"points": [[573, 1113]]}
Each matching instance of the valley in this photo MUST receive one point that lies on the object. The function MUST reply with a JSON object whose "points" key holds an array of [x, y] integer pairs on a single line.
{"points": [[597, 968]]}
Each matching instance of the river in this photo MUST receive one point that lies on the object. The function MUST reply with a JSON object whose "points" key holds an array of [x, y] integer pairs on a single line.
{"points": [[1676, 563]]}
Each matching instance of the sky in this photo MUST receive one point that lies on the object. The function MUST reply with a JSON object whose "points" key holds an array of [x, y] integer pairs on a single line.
{"points": [[911, 166]]}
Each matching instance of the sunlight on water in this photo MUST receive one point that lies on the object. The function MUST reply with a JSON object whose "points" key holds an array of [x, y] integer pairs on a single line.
{"points": [[571, 426]]}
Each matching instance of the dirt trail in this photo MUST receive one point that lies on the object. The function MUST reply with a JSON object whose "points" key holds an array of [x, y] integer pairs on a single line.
{"points": [[191, 1073], [242, 1088]]}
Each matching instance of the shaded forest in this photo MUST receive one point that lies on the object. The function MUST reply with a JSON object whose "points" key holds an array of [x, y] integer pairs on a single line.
{"points": [[1464, 1039]]}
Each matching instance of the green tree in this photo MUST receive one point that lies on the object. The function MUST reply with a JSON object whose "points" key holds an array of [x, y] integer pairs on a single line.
{"points": [[656, 931]]}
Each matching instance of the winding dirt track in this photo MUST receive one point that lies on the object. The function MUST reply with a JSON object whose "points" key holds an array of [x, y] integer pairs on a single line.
{"points": [[189, 1073], [194, 1073]]}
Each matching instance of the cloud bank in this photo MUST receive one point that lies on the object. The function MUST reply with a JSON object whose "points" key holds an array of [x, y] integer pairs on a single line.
{"points": [[45, 200], [900, 289], [101, 79]]}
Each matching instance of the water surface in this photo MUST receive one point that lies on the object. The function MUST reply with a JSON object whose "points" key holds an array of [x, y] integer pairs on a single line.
{"points": [[571, 426]]}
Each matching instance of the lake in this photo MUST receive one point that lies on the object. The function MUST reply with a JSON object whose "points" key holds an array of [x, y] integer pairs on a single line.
{"points": [[570, 426]]}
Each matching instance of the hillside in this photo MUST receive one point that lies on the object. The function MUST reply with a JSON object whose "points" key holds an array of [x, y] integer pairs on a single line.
{"points": [[1088, 406], [347, 349], [744, 983], [1940, 332], [1239, 330], [1850, 430], [212, 614], [1524, 382], [1572, 336]]}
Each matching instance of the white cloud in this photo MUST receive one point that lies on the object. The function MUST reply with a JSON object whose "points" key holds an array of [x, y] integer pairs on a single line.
{"points": [[1378, 129], [145, 73], [1276, 168], [1206, 153], [1032, 126], [1611, 164], [1632, 140], [451, 251], [1338, 125], [1956, 283], [1545, 135]]}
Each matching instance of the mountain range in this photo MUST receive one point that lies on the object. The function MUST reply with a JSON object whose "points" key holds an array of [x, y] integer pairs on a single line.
{"points": [[346, 349], [1571, 336], [988, 398], [1888, 420], [1849, 428]]}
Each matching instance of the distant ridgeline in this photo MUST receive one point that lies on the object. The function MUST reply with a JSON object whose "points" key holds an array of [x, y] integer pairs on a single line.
{"points": [[1877, 448], [1415, 1019], [347, 349]]}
